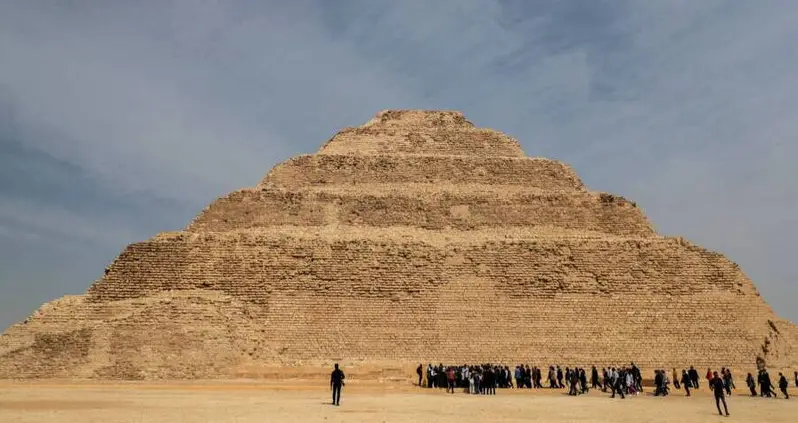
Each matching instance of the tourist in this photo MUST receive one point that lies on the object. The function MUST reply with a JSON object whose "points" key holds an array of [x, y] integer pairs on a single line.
{"points": [[538, 376], [728, 381], [419, 372], [336, 382], [675, 375], [583, 381], [618, 381], [796, 379], [686, 382], [710, 375], [658, 383], [766, 385], [783, 384], [694, 376], [559, 378], [751, 384], [716, 384], [637, 377], [450, 380], [573, 380], [595, 382], [630, 385]]}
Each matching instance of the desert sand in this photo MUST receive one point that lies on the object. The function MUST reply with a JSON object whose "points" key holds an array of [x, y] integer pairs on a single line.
{"points": [[308, 401]]}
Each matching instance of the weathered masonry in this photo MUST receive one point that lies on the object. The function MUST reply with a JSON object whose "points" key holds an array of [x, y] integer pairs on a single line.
{"points": [[416, 237]]}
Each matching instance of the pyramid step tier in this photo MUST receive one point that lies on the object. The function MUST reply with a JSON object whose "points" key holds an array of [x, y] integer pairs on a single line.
{"points": [[334, 169], [397, 263], [375, 140], [415, 205]]}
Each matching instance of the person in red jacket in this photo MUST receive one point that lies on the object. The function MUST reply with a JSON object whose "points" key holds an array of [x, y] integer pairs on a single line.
{"points": [[709, 376]]}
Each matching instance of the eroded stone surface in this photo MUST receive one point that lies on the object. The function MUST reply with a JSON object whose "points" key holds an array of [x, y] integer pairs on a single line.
{"points": [[416, 237]]}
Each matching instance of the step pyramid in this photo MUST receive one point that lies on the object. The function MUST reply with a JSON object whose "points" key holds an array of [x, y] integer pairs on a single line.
{"points": [[416, 237]]}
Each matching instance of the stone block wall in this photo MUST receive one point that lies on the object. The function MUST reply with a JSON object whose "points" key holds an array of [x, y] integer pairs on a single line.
{"points": [[333, 169], [448, 141], [413, 238], [460, 209]]}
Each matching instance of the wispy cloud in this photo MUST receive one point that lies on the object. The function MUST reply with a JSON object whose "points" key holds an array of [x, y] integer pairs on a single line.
{"points": [[123, 119]]}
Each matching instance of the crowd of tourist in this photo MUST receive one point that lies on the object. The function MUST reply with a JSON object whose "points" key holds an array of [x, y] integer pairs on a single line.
{"points": [[484, 379]]}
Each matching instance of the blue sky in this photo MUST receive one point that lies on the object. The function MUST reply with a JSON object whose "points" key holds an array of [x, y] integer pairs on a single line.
{"points": [[122, 119]]}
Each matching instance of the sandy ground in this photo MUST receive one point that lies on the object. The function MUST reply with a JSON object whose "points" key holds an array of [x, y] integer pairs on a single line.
{"points": [[304, 401]]}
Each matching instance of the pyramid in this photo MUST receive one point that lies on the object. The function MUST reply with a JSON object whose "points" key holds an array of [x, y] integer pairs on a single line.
{"points": [[416, 237]]}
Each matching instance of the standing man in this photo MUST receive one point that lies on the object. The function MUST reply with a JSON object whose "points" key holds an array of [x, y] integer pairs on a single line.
{"points": [[716, 383], [336, 382], [419, 372]]}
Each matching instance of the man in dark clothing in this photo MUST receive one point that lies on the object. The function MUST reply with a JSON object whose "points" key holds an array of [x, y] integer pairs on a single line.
{"points": [[751, 384], [686, 382], [594, 378], [694, 376], [716, 384], [618, 383], [766, 385], [336, 382], [796, 379], [637, 377], [783, 384], [559, 378], [419, 372], [658, 383], [538, 376]]}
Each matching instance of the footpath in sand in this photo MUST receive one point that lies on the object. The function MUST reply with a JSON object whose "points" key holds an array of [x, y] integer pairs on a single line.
{"points": [[303, 401]]}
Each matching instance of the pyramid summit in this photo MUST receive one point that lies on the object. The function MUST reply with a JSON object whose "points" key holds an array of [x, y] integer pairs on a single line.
{"points": [[416, 237]]}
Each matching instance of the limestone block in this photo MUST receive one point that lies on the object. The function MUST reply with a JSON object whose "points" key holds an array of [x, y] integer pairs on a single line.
{"points": [[418, 205], [334, 169]]}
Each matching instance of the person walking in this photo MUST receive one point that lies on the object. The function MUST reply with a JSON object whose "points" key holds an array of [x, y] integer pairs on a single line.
{"points": [[693, 376], [336, 382], [686, 382], [618, 381], [420, 372], [783, 384], [751, 384], [716, 383]]}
